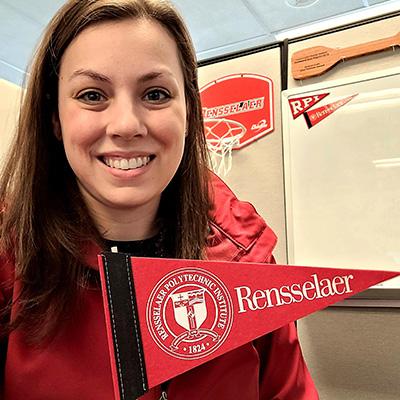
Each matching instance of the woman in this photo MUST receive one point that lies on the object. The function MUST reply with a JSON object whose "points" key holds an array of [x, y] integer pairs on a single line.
{"points": [[110, 151]]}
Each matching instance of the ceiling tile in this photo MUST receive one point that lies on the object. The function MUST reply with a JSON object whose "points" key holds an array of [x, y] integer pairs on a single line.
{"points": [[372, 2], [39, 11], [277, 15], [18, 35], [215, 24]]}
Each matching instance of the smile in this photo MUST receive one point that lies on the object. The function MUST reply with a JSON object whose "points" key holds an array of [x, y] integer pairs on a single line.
{"points": [[126, 163]]}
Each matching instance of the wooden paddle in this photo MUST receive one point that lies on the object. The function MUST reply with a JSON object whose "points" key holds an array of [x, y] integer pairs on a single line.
{"points": [[319, 59]]}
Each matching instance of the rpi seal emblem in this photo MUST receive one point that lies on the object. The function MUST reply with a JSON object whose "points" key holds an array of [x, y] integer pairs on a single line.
{"points": [[189, 313]]}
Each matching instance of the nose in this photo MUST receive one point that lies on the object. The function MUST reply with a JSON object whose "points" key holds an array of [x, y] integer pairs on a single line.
{"points": [[126, 120]]}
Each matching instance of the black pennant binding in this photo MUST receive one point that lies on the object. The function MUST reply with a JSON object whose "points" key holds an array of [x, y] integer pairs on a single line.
{"points": [[124, 318]]}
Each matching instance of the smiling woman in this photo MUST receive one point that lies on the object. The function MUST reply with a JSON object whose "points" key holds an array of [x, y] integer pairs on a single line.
{"points": [[110, 151], [122, 120]]}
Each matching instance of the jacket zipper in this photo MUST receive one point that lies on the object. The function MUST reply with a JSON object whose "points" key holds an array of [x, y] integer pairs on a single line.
{"points": [[164, 395]]}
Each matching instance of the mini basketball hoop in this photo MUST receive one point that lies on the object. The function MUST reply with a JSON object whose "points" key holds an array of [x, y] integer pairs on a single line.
{"points": [[222, 136], [237, 109]]}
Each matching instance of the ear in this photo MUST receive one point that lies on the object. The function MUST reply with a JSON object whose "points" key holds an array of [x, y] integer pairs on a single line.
{"points": [[55, 121]]}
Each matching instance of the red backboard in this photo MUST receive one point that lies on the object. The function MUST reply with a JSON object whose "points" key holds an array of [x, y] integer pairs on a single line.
{"points": [[240, 100]]}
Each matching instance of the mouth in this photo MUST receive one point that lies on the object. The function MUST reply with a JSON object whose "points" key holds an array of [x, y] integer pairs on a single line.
{"points": [[126, 164]]}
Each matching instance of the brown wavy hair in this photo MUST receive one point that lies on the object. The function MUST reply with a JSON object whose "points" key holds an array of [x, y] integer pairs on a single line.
{"points": [[44, 219]]}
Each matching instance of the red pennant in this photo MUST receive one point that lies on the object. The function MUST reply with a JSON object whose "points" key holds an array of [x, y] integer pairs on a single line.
{"points": [[193, 311], [313, 117], [299, 105]]}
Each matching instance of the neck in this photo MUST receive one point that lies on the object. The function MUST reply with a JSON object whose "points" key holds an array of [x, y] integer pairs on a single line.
{"points": [[127, 227], [126, 224]]}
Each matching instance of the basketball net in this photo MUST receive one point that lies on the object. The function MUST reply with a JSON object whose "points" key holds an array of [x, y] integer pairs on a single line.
{"points": [[222, 136]]}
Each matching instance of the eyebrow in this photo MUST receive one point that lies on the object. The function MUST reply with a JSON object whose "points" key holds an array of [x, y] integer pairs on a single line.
{"points": [[91, 74], [152, 75], [103, 78]]}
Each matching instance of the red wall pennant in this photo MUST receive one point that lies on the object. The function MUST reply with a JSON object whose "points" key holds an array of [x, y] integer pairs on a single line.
{"points": [[315, 116], [166, 316], [299, 105]]}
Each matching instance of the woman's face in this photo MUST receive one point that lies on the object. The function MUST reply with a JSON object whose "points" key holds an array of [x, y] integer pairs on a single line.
{"points": [[122, 114]]}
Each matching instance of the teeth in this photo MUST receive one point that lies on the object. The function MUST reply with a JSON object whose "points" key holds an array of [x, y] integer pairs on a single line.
{"points": [[133, 163], [125, 163], [117, 164]]}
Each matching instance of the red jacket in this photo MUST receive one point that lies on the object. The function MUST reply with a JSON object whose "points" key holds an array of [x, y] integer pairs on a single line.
{"points": [[76, 364]]}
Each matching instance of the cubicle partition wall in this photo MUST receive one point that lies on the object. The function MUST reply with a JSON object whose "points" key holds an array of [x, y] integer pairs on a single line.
{"points": [[327, 181], [256, 174]]}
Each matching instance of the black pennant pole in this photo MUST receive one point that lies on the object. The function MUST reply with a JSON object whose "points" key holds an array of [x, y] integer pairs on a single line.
{"points": [[124, 319]]}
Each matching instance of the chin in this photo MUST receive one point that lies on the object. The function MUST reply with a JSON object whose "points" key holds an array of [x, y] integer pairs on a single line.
{"points": [[129, 201]]}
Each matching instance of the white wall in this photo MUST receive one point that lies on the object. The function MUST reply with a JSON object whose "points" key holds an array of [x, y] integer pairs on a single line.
{"points": [[10, 96]]}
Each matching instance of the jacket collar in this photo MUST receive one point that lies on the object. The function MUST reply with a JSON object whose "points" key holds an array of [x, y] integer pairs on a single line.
{"points": [[235, 220]]}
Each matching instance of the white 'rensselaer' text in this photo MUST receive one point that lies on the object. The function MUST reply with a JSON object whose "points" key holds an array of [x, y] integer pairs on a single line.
{"points": [[315, 288]]}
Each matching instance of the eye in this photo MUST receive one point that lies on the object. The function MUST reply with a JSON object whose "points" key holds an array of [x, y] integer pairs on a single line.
{"points": [[157, 96], [91, 97]]}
